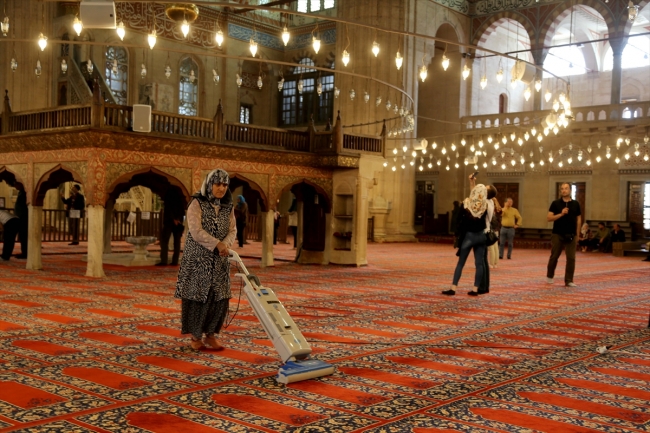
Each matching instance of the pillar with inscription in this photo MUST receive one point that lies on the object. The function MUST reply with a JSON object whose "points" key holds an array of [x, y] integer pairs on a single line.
{"points": [[34, 238], [95, 267], [267, 239]]}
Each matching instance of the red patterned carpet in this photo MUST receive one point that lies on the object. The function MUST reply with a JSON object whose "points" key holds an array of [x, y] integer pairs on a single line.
{"points": [[85, 355]]}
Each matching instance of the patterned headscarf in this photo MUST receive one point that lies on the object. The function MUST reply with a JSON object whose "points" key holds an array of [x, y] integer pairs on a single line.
{"points": [[477, 202], [213, 178]]}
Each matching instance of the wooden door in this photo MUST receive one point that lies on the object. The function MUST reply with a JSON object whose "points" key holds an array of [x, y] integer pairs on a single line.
{"points": [[508, 190], [313, 222]]}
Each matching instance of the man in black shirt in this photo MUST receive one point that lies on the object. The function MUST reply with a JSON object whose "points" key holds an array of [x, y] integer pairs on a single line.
{"points": [[173, 215], [566, 217], [76, 202], [617, 235]]}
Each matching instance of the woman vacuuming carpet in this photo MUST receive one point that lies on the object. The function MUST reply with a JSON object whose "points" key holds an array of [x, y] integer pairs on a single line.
{"points": [[204, 276]]}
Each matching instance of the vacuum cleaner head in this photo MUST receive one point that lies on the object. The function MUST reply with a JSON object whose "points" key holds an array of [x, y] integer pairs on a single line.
{"points": [[283, 332]]}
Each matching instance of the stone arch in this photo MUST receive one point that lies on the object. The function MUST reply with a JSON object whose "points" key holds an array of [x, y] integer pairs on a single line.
{"points": [[10, 177], [563, 10], [319, 189], [156, 180], [490, 25], [237, 180], [52, 179]]}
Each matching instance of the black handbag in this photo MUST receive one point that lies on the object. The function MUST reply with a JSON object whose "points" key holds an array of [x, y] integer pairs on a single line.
{"points": [[491, 238]]}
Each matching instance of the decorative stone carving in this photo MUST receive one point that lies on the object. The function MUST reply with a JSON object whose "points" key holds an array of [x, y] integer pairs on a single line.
{"points": [[184, 175]]}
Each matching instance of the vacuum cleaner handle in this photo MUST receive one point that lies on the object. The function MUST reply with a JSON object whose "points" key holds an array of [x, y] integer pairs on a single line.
{"points": [[232, 255]]}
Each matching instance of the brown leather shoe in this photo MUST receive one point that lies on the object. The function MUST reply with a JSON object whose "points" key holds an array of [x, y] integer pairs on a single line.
{"points": [[212, 342], [196, 344]]}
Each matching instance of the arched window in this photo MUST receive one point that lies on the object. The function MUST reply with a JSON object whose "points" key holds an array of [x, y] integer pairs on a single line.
{"points": [[188, 92], [635, 54], [117, 73], [304, 69], [503, 103], [564, 61]]}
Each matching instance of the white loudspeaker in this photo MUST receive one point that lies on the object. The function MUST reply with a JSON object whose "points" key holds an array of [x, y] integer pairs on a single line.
{"points": [[97, 14], [141, 118]]}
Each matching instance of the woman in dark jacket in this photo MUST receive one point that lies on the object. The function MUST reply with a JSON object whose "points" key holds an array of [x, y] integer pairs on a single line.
{"points": [[204, 276], [474, 221]]}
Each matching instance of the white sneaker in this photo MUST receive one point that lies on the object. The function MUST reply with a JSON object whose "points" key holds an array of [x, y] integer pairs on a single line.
{"points": [[571, 284], [549, 280]]}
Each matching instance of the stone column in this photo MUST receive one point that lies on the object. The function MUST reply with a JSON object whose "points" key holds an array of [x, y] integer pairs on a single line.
{"points": [[34, 238], [108, 227], [360, 231], [539, 56], [617, 70], [95, 241], [267, 239]]}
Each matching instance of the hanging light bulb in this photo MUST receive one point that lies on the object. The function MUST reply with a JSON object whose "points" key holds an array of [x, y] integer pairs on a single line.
{"points": [[168, 71], [598, 158], [345, 58], [260, 83], [444, 150], [77, 25], [64, 66], [281, 84], [403, 166], [239, 80], [192, 76], [483, 83], [430, 165], [617, 160], [627, 156], [465, 72], [556, 105], [645, 157], [42, 41], [453, 147], [143, 71], [489, 139], [447, 167], [500, 75], [385, 163], [14, 64], [480, 143], [527, 93], [252, 46], [526, 135], [504, 139], [513, 83], [398, 60], [185, 28], [285, 36], [218, 37], [395, 108], [378, 101], [215, 76], [90, 67], [315, 43], [38, 69], [562, 98], [353, 94], [533, 131], [394, 168], [121, 30], [445, 61], [388, 105], [520, 142], [152, 38], [540, 137], [538, 85], [375, 48], [4, 25], [114, 68], [607, 153], [301, 85], [547, 95], [337, 92], [423, 73]]}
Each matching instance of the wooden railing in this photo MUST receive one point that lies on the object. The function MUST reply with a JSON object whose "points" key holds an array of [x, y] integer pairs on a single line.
{"points": [[362, 143], [283, 138], [195, 127], [118, 116], [57, 228], [102, 115], [121, 228], [53, 118]]}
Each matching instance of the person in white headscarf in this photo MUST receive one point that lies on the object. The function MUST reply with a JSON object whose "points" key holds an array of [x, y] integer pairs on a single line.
{"points": [[475, 219], [204, 276]]}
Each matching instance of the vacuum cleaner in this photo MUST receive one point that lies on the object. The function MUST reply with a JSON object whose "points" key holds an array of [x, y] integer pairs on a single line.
{"points": [[281, 330]]}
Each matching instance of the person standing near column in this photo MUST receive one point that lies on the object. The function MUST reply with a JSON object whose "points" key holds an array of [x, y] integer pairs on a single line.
{"points": [[75, 205], [241, 216], [510, 220], [495, 226], [293, 220], [173, 215], [20, 210], [10, 226], [566, 217]]}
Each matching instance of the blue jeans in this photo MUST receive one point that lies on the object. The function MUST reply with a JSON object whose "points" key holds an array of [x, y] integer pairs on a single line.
{"points": [[507, 234], [472, 241]]}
